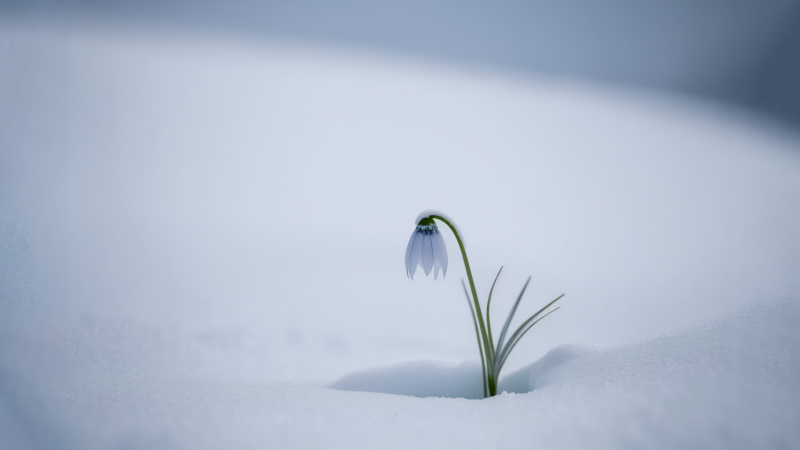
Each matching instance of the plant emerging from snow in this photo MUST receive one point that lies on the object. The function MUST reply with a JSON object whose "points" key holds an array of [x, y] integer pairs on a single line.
{"points": [[426, 248]]}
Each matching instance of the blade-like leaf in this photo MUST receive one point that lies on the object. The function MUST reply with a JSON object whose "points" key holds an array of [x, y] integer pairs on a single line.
{"points": [[488, 313], [478, 335], [508, 320], [504, 351], [514, 343]]}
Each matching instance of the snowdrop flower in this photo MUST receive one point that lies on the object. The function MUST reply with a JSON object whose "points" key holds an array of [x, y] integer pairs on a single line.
{"points": [[426, 249]]}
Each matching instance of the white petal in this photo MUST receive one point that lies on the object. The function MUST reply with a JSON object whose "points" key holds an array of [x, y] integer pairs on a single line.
{"points": [[408, 250], [427, 254], [442, 253], [437, 256], [413, 257]]}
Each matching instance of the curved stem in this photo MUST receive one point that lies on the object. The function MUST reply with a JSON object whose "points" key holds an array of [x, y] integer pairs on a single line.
{"points": [[477, 335], [490, 361]]}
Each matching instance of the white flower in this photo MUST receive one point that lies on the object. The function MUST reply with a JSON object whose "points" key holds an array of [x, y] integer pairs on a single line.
{"points": [[426, 248]]}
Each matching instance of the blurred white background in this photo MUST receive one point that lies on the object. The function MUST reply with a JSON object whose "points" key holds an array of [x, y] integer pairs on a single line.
{"points": [[738, 52], [188, 177]]}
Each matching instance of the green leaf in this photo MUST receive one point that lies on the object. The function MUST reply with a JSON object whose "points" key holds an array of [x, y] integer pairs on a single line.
{"points": [[504, 351], [508, 322], [514, 342], [488, 304]]}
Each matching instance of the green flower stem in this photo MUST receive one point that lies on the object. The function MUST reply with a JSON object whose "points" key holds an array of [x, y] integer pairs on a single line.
{"points": [[492, 358], [488, 374], [477, 336]]}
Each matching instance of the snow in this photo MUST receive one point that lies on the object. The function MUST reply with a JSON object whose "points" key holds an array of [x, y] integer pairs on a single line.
{"points": [[728, 384], [202, 245], [418, 379]]}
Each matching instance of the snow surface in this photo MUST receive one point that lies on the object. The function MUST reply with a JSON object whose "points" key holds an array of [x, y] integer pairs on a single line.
{"points": [[202, 239]]}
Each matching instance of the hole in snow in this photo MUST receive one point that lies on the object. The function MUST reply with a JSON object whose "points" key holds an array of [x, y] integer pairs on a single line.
{"points": [[418, 379], [441, 379]]}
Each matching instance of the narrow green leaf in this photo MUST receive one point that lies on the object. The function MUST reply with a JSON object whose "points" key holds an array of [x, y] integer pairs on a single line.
{"points": [[488, 320], [514, 343], [504, 351], [508, 322]]}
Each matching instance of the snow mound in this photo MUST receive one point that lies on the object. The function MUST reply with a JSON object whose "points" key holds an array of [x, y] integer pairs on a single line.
{"points": [[758, 345], [748, 353], [523, 380]]}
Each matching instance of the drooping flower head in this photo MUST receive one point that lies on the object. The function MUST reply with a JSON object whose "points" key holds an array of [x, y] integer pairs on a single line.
{"points": [[426, 249]]}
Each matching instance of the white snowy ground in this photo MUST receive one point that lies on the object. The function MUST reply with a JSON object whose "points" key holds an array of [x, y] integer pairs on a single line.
{"points": [[202, 237]]}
